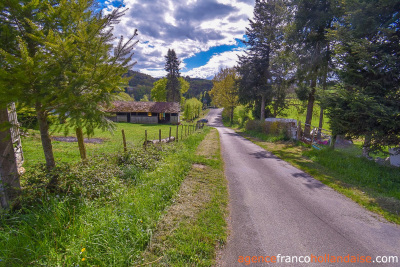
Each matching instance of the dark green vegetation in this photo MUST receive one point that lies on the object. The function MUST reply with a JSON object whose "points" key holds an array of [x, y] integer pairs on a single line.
{"points": [[371, 185], [102, 212], [194, 226]]}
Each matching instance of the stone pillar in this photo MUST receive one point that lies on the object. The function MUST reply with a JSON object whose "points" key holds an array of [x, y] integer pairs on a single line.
{"points": [[9, 178]]}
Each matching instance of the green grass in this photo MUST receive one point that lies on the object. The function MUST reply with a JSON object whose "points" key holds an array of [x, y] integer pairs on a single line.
{"points": [[371, 185], [69, 152], [298, 111], [103, 213], [195, 227]]}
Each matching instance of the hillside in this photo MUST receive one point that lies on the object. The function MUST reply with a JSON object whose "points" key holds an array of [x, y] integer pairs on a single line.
{"points": [[140, 84]]}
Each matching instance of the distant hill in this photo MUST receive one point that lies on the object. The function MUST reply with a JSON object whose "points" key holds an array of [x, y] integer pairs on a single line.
{"points": [[140, 84]]}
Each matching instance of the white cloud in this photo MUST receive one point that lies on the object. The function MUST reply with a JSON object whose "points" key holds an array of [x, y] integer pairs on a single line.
{"points": [[189, 27], [223, 60]]}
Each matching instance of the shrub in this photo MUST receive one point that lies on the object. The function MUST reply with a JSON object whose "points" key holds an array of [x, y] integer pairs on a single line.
{"points": [[275, 128]]}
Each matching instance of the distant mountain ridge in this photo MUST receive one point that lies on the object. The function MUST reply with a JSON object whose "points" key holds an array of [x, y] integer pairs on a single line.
{"points": [[141, 84]]}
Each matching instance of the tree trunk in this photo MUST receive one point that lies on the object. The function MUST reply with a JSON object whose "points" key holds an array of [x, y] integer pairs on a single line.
{"points": [[366, 146], [321, 121], [333, 142], [310, 107], [45, 137], [231, 115], [81, 143], [9, 178], [262, 114]]}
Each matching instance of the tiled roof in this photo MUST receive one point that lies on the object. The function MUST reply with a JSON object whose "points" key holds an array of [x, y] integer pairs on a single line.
{"points": [[155, 107]]}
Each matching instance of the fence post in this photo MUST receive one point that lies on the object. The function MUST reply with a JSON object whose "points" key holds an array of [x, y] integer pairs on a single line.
{"points": [[159, 135], [177, 133], [170, 128], [182, 132], [145, 139], [299, 131], [124, 140], [185, 131]]}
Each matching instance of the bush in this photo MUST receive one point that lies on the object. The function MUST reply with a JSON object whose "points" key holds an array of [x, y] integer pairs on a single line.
{"points": [[275, 128]]}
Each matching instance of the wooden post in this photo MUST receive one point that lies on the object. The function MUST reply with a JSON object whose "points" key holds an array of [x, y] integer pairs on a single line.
{"points": [[145, 139], [170, 128], [159, 135], [81, 143], [177, 133], [185, 131], [124, 140], [182, 132], [299, 131]]}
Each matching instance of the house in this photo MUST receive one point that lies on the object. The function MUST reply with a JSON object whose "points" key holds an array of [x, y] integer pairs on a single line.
{"points": [[145, 112]]}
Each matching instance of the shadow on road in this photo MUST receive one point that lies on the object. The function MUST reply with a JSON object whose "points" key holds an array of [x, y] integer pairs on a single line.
{"points": [[309, 181]]}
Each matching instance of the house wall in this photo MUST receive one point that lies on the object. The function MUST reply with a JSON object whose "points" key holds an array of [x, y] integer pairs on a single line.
{"points": [[144, 119], [122, 118], [174, 119]]}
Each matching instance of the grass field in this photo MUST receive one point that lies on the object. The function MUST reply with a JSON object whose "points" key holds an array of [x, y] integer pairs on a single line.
{"points": [[69, 152], [298, 110]]}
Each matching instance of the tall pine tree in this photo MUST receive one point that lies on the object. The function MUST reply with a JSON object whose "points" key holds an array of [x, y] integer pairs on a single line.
{"points": [[173, 85], [256, 68], [367, 102]]}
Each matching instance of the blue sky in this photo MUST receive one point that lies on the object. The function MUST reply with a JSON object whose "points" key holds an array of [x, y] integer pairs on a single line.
{"points": [[205, 34]]}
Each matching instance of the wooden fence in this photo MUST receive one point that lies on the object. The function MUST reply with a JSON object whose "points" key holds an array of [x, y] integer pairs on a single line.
{"points": [[181, 132]]}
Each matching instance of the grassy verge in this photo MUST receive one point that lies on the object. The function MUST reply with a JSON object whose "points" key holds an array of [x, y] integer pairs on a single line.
{"points": [[103, 212], [373, 186], [194, 226]]}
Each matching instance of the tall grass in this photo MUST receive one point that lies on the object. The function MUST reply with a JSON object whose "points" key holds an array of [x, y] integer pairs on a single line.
{"points": [[108, 228]]}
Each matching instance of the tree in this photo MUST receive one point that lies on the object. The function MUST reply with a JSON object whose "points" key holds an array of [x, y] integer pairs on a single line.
{"points": [[312, 21], [145, 99], [367, 101], [159, 90], [265, 36], [225, 91], [172, 67], [63, 54], [192, 109]]}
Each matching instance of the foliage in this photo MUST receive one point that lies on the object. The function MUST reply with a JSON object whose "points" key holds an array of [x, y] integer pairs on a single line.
{"points": [[122, 96], [367, 101], [59, 62], [198, 87], [159, 90], [241, 114], [140, 84], [309, 36], [275, 128], [172, 67], [225, 91], [260, 70], [145, 98], [192, 109]]}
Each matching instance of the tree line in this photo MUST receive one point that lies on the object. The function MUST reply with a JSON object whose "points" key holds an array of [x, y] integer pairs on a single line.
{"points": [[343, 54]]}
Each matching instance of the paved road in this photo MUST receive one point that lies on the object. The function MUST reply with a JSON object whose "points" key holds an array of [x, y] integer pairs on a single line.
{"points": [[278, 209]]}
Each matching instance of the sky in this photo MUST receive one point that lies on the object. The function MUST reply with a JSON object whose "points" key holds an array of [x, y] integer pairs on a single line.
{"points": [[205, 34]]}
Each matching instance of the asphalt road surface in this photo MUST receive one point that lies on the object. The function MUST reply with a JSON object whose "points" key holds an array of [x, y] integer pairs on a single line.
{"points": [[278, 209]]}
